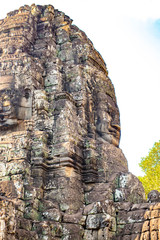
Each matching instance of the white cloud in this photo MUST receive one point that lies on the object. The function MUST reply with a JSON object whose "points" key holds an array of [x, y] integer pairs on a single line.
{"points": [[140, 9]]}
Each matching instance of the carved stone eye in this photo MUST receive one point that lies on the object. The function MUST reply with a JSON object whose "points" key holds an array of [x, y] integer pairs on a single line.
{"points": [[11, 50], [1, 52], [27, 93]]}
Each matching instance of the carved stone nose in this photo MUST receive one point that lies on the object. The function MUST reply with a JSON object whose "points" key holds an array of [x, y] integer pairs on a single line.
{"points": [[1, 105], [116, 126], [1, 109], [1, 117]]}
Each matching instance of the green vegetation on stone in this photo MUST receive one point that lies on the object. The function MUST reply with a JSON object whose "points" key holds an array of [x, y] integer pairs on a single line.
{"points": [[150, 165]]}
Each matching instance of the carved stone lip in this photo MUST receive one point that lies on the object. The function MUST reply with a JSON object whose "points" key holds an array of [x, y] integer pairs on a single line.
{"points": [[8, 122], [3, 114], [116, 126], [115, 129]]}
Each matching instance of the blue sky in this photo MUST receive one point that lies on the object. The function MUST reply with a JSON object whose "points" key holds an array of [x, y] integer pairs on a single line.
{"points": [[127, 34], [155, 28]]}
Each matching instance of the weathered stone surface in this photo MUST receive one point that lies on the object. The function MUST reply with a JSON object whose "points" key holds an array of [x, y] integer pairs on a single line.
{"points": [[62, 173], [153, 196]]}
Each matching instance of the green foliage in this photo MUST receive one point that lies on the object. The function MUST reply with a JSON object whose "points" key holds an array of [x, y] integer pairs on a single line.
{"points": [[150, 165]]}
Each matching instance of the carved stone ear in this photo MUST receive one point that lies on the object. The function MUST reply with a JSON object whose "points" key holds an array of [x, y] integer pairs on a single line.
{"points": [[41, 102], [25, 106]]}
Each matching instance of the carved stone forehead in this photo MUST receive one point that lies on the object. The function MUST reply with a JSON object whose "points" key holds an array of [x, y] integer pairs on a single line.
{"points": [[6, 82], [106, 99]]}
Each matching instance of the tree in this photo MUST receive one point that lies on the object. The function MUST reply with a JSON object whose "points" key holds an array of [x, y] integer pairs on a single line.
{"points": [[151, 167]]}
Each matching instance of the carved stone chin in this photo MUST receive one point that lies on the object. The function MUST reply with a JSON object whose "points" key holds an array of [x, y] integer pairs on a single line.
{"points": [[111, 135]]}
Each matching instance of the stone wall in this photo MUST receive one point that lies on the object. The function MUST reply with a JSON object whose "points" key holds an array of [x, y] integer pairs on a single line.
{"points": [[62, 173], [138, 221]]}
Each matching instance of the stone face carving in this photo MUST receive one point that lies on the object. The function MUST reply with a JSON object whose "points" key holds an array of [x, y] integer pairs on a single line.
{"points": [[62, 174], [8, 116], [16, 104], [108, 124]]}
